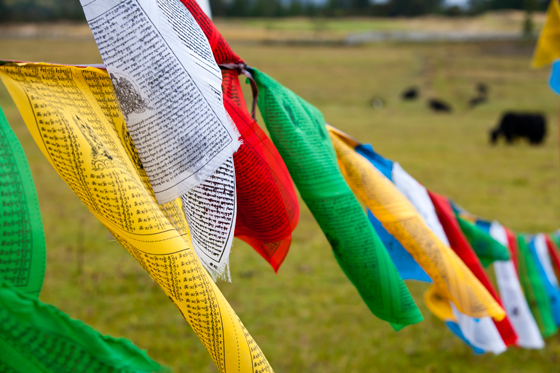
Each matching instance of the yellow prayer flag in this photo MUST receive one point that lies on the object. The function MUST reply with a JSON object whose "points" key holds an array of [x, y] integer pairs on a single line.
{"points": [[548, 45], [453, 281], [75, 119]]}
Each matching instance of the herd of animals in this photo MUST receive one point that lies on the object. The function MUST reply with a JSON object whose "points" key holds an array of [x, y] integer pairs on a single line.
{"points": [[512, 126]]}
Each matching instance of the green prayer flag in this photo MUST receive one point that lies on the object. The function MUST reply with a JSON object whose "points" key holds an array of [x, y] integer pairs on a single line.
{"points": [[36, 337], [298, 130], [22, 247], [534, 289], [485, 246]]}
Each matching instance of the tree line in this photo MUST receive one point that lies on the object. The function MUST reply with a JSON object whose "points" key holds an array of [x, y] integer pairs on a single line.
{"points": [[50, 10], [377, 8]]}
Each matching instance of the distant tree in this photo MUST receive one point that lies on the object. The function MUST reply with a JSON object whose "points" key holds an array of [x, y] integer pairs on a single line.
{"points": [[3, 11], [69, 9], [219, 8], [239, 8], [295, 8], [267, 8], [410, 8], [361, 4], [337, 8]]}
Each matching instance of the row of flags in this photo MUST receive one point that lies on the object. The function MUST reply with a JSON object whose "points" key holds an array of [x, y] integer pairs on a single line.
{"points": [[90, 123]]}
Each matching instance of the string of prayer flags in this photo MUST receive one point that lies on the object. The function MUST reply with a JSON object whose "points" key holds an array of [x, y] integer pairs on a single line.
{"points": [[298, 131], [452, 279], [462, 248], [23, 253], [74, 117], [511, 294], [169, 89], [548, 44], [480, 334], [539, 251], [534, 289], [38, 338], [267, 204]]}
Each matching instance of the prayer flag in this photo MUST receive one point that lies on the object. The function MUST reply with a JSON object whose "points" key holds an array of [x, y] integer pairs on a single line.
{"points": [[22, 252], [408, 268], [548, 45], [74, 117], [486, 248], [534, 289], [452, 279], [460, 245], [298, 131], [512, 296], [539, 250], [554, 254], [38, 338], [267, 204]]}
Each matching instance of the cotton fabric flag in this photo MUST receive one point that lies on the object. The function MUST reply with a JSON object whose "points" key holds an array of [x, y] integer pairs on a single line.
{"points": [[205, 6], [548, 45], [418, 195], [554, 253], [534, 289], [267, 204], [408, 268], [22, 249], [486, 248], [38, 338], [539, 250], [554, 77], [460, 245], [512, 295], [298, 131], [451, 277], [74, 117], [485, 338]]}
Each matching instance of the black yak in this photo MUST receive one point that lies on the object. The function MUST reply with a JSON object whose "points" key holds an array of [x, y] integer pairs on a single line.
{"points": [[514, 125], [411, 93], [439, 105]]}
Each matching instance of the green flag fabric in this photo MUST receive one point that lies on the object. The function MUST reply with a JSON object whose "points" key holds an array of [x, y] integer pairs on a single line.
{"points": [[22, 248], [298, 130], [35, 337], [534, 289], [485, 246]]}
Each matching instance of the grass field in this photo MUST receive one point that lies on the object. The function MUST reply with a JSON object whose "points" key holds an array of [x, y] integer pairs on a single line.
{"points": [[308, 318]]}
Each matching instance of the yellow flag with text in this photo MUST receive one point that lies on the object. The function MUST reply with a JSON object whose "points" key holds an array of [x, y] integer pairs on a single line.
{"points": [[453, 281], [75, 119]]}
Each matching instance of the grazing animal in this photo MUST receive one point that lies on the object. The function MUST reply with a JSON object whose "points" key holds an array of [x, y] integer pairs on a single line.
{"points": [[477, 101], [411, 93], [515, 125], [439, 105], [482, 89]]}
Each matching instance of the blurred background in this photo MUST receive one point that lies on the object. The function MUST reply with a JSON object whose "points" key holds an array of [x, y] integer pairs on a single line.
{"points": [[353, 59]]}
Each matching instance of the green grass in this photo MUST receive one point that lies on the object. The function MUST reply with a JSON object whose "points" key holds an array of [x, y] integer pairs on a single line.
{"points": [[308, 318]]}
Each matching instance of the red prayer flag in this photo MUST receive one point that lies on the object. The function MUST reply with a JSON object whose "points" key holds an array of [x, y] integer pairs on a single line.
{"points": [[513, 248], [267, 204], [463, 249], [553, 251]]}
